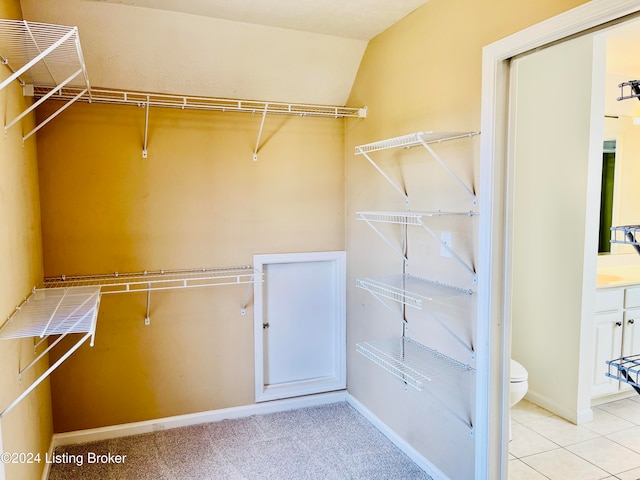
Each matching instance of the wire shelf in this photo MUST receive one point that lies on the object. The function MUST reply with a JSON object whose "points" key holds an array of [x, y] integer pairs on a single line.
{"points": [[158, 280], [143, 99], [407, 218], [411, 290], [41, 53], [625, 369], [410, 361], [55, 311], [411, 140]]}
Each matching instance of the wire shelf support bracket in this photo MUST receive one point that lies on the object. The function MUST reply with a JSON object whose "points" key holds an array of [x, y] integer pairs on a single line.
{"points": [[415, 365], [59, 311], [416, 219], [417, 293], [425, 139], [62, 306], [42, 54]]}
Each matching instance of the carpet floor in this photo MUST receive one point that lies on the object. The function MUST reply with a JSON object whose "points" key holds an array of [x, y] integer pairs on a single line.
{"points": [[328, 442]]}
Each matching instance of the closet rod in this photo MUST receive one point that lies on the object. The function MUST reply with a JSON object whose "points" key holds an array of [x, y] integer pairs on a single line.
{"points": [[142, 99]]}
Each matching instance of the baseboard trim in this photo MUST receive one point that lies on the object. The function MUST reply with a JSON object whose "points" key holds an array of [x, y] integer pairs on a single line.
{"points": [[47, 466], [398, 441], [577, 417], [135, 428]]}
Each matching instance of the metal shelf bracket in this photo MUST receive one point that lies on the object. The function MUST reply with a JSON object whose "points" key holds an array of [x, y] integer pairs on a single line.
{"points": [[264, 116], [417, 219], [411, 140]]}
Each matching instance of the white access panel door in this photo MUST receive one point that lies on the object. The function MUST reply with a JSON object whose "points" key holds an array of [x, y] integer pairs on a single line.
{"points": [[300, 324]]}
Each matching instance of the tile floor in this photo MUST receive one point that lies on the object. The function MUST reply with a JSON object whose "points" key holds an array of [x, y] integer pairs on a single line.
{"points": [[545, 446]]}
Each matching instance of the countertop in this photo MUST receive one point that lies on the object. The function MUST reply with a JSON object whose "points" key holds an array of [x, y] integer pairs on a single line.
{"points": [[618, 276]]}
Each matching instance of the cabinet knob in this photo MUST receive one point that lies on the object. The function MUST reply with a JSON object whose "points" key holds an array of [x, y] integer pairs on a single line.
{"points": [[631, 321], [618, 324]]}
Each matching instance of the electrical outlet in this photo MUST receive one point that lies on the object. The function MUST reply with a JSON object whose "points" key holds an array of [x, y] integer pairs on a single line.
{"points": [[445, 238]]}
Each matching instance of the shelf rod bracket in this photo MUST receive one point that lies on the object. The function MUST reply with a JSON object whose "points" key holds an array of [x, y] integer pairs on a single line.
{"points": [[264, 116], [54, 114], [453, 254], [146, 128], [147, 319], [449, 171], [387, 178], [42, 377], [388, 242], [245, 303], [388, 307], [40, 101]]}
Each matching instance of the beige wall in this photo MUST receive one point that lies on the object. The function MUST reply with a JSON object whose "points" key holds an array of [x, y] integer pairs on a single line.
{"points": [[550, 202], [198, 200], [422, 74], [26, 428]]}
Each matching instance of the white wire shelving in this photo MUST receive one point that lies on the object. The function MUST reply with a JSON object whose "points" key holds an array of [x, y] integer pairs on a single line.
{"points": [[184, 102], [58, 311], [157, 280], [418, 293], [415, 219], [48, 62], [424, 139], [42, 54], [66, 305], [414, 364]]}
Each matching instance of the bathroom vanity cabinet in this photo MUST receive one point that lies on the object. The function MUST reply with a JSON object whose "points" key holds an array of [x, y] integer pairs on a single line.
{"points": [[616, 334]]}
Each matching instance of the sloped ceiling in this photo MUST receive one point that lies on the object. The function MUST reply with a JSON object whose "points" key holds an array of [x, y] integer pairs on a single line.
{"points": [[299, 51]]}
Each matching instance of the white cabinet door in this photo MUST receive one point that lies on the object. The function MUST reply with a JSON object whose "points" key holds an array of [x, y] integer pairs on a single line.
{"points": [[607, 346], [300, 324]]}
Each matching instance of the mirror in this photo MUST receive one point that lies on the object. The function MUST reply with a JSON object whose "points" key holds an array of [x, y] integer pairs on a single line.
{"points": [[620, 195]]}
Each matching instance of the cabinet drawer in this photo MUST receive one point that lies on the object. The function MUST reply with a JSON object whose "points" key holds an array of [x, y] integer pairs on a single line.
{"points": [[610, 299], [632, 297]]}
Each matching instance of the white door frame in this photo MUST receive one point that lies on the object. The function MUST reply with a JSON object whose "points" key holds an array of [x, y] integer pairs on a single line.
{"points": [[492, 405], [312, 386]]}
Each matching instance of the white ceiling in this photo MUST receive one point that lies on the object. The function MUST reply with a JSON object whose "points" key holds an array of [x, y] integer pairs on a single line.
{"points": [[358, 19], [298, 51]]}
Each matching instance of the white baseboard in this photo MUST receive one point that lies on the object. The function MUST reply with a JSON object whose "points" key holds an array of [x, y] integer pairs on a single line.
{"points": [[47, 466], [398, 441], [135, 428], [543, 401]]}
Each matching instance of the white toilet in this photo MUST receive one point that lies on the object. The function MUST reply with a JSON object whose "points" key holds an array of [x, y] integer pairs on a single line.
{"points": [[518, 387]]}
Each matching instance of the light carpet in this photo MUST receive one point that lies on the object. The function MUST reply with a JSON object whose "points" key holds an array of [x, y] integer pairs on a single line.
{"points": [[328, 442]]}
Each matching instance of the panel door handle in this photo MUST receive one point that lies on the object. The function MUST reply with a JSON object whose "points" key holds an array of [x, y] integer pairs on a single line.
{"points": [[618, 324], [265, 325], [631, 321]]}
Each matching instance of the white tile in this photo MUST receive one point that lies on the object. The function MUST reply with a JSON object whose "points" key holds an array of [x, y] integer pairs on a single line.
{"points": [[630, 438], [524, 411], [626, 409], [605, 423], [629, 475], [560, 431], [519, 470], [607, 454], [561, 464], [527, 442]]}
